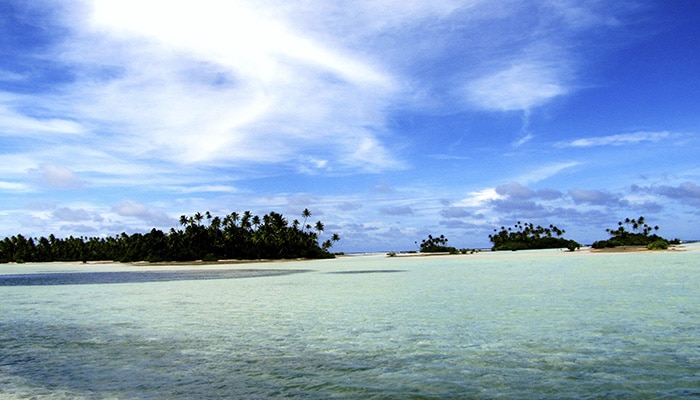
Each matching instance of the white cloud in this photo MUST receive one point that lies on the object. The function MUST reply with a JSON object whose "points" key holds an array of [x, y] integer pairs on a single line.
{"points": [[70, 214], [596, 197], [204, 189], [523, 140], [253, 40], [129, 208], [258, 82], [518, 87], [57, 176], [14, 187], [617, 140], [515, 190], [225, 82], [479, 198], [455, 212], [15, 164], [687, 192], [14, 123], [397, 210], [542, 173]]}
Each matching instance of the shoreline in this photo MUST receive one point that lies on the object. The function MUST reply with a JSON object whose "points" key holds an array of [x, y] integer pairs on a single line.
{"points": [[634, 249], [271, 264], [585, 249]]}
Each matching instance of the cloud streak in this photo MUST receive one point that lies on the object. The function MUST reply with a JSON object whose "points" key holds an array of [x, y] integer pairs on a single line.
{"points": [[187, 84], [190, 85], [617, 140], [520, 87]]}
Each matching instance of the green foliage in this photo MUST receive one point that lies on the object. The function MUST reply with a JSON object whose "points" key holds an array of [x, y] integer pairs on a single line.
{"points": [[659, 244], [210, 257], [631, 232], [436, 245], [236, 236], [469, 251], [573, 245], [528, 236]]}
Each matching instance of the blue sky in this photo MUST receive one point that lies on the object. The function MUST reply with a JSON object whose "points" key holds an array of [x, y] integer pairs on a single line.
{"points": [[389, 120]]}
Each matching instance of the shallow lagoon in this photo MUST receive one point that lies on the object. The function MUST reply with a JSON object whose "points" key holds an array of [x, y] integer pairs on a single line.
{"points": [[543, 324]]}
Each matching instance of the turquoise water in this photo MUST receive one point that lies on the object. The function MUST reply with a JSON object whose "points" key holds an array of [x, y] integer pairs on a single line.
{"points": [[544, 324]]}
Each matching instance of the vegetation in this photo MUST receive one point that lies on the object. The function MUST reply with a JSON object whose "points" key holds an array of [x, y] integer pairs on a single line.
{"points": [[658, 245], [236, 236], [436, 245], [527, 236], [469, 251], [634, 232]]}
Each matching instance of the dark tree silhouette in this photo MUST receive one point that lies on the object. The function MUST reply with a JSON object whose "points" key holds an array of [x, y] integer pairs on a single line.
{"points": [[634, 232], [269, 237], [528, 236]]}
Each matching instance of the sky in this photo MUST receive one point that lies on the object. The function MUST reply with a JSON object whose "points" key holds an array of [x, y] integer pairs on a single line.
{"points": [[388, 119]]}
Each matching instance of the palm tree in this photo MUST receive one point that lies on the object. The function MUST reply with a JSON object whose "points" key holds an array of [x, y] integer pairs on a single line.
{"points": [[245, 220], [306, 214], [215, 223], [319, 226], [256, 221], [234, 218]]}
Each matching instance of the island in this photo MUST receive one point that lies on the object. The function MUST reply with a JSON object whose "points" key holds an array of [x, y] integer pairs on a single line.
{"points": [[527, 236], [635, 232], [202, 237]]}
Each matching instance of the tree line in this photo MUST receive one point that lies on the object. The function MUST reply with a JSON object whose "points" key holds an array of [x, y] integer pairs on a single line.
{"points": [[635, 232], [524, 236], [528, 236], [201, 237]]}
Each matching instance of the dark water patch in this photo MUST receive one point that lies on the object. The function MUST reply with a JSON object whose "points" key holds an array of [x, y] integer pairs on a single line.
{"points": [[369, 271], [93, 278]]}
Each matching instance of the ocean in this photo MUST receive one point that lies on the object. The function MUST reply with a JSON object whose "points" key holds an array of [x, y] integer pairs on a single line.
{"points": [[542, 324]]}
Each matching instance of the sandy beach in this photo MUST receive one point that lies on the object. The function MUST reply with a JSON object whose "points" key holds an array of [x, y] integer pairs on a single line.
{"points": [[108, 266]]}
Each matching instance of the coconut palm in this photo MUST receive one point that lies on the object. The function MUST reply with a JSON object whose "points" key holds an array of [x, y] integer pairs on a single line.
{"points": [[306, 214]]}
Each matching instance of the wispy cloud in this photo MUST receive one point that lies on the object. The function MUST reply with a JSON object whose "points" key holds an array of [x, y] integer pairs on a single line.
{"points": [[455, 212], [617, 140], [14, 187], [204, 189], [397, 210], [518, 87], [544, 172], [75, 215], [15, 123], [190, 86], [686, 192], [596, 197], [479, 198], [56, 176], [314, 89], [130, 208], [195, 69]]}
